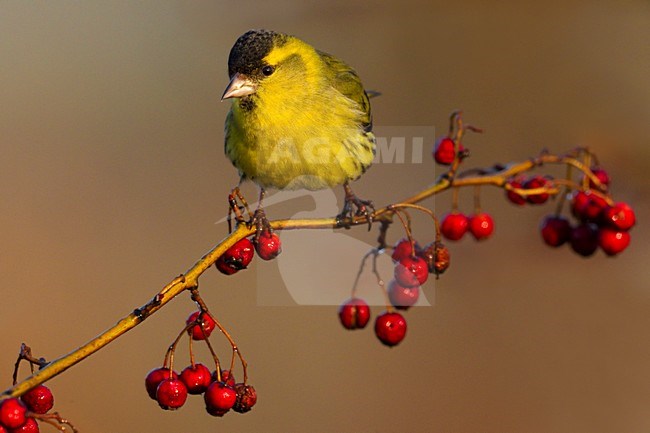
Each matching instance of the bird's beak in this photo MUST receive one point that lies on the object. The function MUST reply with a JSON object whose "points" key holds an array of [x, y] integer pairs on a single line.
{"points": [[240, 85]]}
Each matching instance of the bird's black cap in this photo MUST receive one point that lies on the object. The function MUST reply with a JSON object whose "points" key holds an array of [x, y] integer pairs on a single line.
{"points": [[249, 50]]}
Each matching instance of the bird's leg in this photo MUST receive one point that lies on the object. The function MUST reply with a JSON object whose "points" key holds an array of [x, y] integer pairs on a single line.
{"points": [[364, 208], [259, 219], [234, 198]]}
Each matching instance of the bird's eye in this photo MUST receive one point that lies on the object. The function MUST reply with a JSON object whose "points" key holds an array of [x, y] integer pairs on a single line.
{"points": [[268, 70]]}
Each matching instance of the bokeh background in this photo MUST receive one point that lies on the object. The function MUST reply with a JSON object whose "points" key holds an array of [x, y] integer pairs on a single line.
{"points": [[112, 179]]}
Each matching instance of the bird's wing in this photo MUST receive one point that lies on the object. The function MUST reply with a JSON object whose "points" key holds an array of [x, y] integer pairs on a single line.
{"points": [[347, 82]]}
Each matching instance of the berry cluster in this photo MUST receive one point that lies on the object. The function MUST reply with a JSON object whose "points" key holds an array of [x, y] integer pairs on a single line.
{"points": [[455, 224], [21, 415], [238, 257], [413, 265], [219, 388]]}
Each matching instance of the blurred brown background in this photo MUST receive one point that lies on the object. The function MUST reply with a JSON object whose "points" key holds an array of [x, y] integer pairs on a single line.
{"points": [[112, 177]]}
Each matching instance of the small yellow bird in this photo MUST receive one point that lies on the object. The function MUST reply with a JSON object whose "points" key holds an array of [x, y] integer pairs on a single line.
{"points": [[300, 118]]}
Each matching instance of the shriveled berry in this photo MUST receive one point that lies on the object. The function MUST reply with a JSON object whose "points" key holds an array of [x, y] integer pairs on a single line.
{"points": [[236, 258], [171, 394], [30, 426], [515, 198], [354, 313], [199, 332], [402, 297], [454, 225], [268, 245], [619, 216], [444, 152], [613, 241], [437, 257], [226, 377], [12, 413], [481, 226], [390, 328], [219, 398], [38, 399], [246, 398], [155, 376], [555, 230], [411, 271], [584, 239], [534, 183], [403, 248], [196, 378]]}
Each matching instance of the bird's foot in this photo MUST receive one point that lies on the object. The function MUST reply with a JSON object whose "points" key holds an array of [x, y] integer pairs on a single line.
{"points": [[354, 207], [237, 205]]}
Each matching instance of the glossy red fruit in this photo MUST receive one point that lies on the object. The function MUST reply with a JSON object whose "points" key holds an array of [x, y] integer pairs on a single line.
{"points": [[30, 426], [534, 183], [171, 394], [619, 216], [390, 328], [196, 378], [236, 258], [481, 226], [556, 230], [197, 332], [354, 313], [38, 399], [444, 152], [219, 398], [402, 297], [515, 198], [246, 398], [411, 271], [155, 376], [226, 377], [584, 239], [454, 225], [613, 241], [587, 206], [268, 246], [12, 413], [403, 249], [601, 175]]}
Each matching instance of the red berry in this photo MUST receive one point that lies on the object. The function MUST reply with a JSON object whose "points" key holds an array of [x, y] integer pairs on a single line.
{"points": [[196, 378], [226, 377], [454, 225], [268, 246], [171, 394], [246, 398], [481, 226], [534, 183], [12, 413], [620, 216], [587, 206], [30, 426], [601, 175], [402, 297], [236, 258], [437, 257], [354, 313], [390, 328], [196, 331], [403, 248], [613, 241], [556, 230], [219, 398], [38, 399], [584, 239], [444, 151], [411, 271], [156, 376], [515, 198]]}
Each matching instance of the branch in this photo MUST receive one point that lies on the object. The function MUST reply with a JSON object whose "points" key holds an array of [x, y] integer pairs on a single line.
{"points": [[495, 176]]}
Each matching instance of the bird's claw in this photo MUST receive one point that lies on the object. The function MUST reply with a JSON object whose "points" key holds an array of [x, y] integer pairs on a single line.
{"points": [[364, 209], [260, 222]]}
